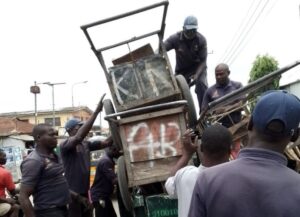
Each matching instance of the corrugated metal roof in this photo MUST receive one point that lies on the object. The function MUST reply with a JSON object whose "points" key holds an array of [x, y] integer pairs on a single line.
{"points": [[13, 126], [22, 137], [58, 111]]}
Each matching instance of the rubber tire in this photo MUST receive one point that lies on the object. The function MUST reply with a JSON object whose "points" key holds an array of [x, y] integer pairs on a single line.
{"points": [[186, 95], [114, 128], [123, 184]]}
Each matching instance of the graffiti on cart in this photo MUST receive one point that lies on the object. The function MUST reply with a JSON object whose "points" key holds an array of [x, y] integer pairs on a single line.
{"points": [[153, 140]]}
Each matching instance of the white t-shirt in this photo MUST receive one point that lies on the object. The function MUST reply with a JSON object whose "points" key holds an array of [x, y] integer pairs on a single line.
{"points": [[181, 186]]}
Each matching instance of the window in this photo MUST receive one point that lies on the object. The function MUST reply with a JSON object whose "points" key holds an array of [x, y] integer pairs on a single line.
{"points": [[49, 121]]}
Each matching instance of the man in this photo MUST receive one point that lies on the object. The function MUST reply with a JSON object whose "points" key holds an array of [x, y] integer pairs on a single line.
{"points": [[258, 183], [42, 177], [75, 152], [223, 87], [104, 182], [191, 52], [215, 149], [8, 206]]}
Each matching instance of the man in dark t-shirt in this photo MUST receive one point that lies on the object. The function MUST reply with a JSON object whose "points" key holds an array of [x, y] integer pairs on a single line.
{"points": [[223, 87], [42, 177], [75, 153], [104, 182], [191, 53]]}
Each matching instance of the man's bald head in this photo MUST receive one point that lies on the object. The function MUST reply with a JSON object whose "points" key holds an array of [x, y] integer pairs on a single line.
{"points": [[222, 74]]}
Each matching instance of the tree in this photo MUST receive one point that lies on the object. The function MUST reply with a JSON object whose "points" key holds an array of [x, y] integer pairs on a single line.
{"points": [[262, 66]]}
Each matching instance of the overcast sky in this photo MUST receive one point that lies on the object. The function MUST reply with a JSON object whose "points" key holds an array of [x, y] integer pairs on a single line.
{"points": [[42, 41]]}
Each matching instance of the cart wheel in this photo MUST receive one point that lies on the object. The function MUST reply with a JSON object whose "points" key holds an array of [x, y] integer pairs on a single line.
{"points": [[114, 129], [123, 184], [186, 95]]}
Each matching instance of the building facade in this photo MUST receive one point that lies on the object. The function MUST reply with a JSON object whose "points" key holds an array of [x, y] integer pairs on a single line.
{"points": [[61, 116], [293, 87]]}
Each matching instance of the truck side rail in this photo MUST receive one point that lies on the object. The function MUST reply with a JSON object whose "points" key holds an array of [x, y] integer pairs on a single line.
{"points": [[147, 109]]}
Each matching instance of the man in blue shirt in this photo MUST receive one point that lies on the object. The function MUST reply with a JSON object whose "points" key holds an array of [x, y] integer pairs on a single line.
{"points": [[42, 177], [75, 152], [191, 52], [104, 182], [258, 183], [223, 87]]}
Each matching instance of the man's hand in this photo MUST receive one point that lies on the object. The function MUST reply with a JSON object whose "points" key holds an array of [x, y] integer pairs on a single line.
{"points": [[100, 104], [188, 150], [10, 201], [107, 142], [85, 202], [189, 147]]}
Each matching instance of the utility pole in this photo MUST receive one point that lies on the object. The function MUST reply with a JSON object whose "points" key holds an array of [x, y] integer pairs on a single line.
{"points": [[53, 104], [35, 90]]}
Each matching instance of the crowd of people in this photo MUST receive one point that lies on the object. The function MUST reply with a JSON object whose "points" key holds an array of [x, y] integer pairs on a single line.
{"points": [[60, 184], [257, 183]]}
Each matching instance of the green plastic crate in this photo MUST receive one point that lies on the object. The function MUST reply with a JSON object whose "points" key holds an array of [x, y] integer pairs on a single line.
{"points": [[161, 206]]}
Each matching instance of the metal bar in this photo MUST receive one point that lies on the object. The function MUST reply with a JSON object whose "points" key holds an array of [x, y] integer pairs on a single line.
{"points": [[251, 87], [147, 108], [128, 41], [163, 22], [163, 3], [87, 35]]}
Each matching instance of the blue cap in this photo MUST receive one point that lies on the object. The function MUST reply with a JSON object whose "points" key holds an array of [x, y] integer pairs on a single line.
{"points": [[277, 105], [190, 22], [72, 123]]}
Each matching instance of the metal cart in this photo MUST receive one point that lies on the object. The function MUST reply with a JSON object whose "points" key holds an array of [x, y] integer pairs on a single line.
{"points": [[150, 110]]}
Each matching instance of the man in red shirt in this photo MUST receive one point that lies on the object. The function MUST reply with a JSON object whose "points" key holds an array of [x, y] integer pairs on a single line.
{"points": [[8, 206]]}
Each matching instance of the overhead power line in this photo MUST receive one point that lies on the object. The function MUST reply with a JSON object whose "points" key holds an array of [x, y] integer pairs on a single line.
{"points": [[246, 30], [249, 36], [238, 32]]}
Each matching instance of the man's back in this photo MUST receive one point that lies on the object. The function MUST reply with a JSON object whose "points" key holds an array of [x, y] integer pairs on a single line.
{"points": [[258, 183], [103, 184], [76, 162], [181, 186]]}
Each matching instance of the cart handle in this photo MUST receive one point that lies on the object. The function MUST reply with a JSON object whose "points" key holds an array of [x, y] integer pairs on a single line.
{"points": [[120, 16], [147, 108]]}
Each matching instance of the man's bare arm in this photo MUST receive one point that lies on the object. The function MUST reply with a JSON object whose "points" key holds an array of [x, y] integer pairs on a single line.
{"points": [[189, 148], [86, 127], [25, 193]]}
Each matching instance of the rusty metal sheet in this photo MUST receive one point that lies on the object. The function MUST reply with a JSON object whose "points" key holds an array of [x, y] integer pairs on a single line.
{"points": [[147, 79]]}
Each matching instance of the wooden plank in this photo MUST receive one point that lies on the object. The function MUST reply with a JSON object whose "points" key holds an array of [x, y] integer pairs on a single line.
{"points": [[154, 138], [151, 171], [150, 115], [152, 146]]}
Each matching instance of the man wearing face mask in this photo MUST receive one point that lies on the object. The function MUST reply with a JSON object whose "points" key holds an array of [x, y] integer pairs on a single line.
{"points": [[191, 52]]}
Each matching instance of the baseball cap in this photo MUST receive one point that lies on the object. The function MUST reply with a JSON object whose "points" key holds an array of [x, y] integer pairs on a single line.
{"points": [[277, 105], [190, 22], [72, 123]]}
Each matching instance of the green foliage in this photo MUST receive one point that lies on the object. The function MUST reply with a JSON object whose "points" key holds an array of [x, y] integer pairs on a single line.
{"points": [[262, 66]]}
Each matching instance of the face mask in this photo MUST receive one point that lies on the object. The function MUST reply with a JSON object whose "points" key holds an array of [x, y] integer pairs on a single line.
{"points": [[190, 34]]}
